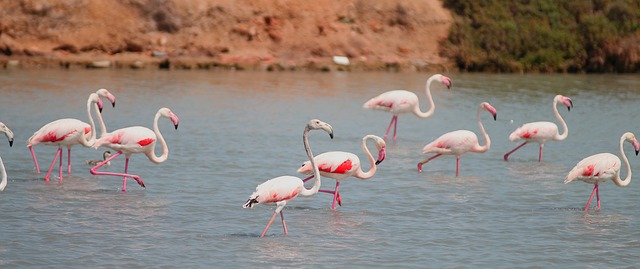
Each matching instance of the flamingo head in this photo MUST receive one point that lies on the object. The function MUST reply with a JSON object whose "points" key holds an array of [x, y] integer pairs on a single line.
{"points": [[565, 100], [316, 124], [106, 94], [167, 113], [7, 132], [631, 138], [446, 81], [490, 108], [381, 146], [94, 98]]}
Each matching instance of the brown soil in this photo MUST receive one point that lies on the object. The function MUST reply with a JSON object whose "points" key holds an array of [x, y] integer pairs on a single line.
{"points": [[242, 34]]}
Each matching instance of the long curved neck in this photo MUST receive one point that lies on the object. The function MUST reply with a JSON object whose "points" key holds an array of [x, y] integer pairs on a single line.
{"points": [[432, 105], [627, 180], [372, 162], [316, 172], [103, 128], [3, 183], [487, 145], [565, 130], [92, 134], [165, 149]]}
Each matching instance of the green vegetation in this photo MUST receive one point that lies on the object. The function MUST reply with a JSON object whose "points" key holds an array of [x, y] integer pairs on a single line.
{"points": [[544, 35]]}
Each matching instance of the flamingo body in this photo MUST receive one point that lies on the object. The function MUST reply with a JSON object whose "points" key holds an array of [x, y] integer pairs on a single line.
{"points": [[281, 189], [542, 131], [598, 168], [7, 132], [340, 165], [136, 139], [401, 101], [459, 142]]}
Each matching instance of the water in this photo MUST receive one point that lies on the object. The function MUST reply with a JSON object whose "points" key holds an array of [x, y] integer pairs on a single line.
{"points": [[238, 129]]}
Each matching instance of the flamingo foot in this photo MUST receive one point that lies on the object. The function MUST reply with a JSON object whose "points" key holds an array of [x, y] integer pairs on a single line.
{"points": [[419, 167], [506, 157], [339, 199]]}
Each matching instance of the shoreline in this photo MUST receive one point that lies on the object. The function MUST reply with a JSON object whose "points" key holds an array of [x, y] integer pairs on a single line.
{"points": [[160, 61]]}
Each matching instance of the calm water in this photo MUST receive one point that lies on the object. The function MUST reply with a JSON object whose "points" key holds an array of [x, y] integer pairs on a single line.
{"points": [[238, 129]]}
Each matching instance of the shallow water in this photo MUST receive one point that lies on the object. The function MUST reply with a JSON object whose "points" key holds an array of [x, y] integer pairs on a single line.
{"points": [[238, 129]]}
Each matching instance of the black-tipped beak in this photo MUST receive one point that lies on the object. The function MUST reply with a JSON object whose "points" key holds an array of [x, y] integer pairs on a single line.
{"points": [[331, 135], [637, 152], [113, 104], [11, 144], [570, 105], [495, 116], [100, 109], [379, 161], [176, 126]]}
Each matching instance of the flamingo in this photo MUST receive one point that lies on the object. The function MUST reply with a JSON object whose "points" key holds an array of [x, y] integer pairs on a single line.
{"points": [[601, 167], [7, 132], [401, 101], [136, 139], [281, 189], [340, 165], [105, 155], [460, 141], [542, 131], [69, 132]]}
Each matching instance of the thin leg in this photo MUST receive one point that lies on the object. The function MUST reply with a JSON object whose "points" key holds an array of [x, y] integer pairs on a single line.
{"points": [[69, 161], [393, 119], [540, 154], [95, 172], [595, 187], [506, 156], [126, 171], [457, 165], [426, 161], [335, 196], [60, 166], [307, 179], [598, 196], [284, 224], [35, 160], [269, 224], [55, 157], [395, 127]]}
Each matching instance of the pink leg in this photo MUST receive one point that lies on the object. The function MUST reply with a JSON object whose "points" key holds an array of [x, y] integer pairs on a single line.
{"points": [[595, 187], [540, 154], [395, 128], [284, 224], [393, 119], [457, 166], [307, 179], [69, 161], [269, 224], [35, 160], [55, 157], [60, 166], [598, 196], [126, 171], [335, 196], [95, 172], [426, 161], [506, 156]]}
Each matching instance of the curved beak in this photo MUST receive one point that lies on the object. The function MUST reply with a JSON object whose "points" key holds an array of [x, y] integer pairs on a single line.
{"points": [[381, 155]]}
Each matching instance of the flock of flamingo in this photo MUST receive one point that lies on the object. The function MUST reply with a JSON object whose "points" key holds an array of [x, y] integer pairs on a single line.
{"points": [[338, 165]]}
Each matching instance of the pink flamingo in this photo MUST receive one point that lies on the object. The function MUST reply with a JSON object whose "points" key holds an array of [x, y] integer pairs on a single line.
{"points": [[7, 132], [601, 167], [136, 139], [281, 189], [458, 142], [401, 101], [542, 131], [69, 132], [340, 165]]}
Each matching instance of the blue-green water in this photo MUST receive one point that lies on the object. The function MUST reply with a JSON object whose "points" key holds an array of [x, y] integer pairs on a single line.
{"points": [[239, 129]]}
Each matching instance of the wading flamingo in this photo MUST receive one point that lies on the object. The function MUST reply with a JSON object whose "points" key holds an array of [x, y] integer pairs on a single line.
{"points": [[105, 155], [69, 132], [401, 101], [7, 132], [281, 189], [542, 131], [601, 167], [340, 165], [136, 139], [460, 141]]}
